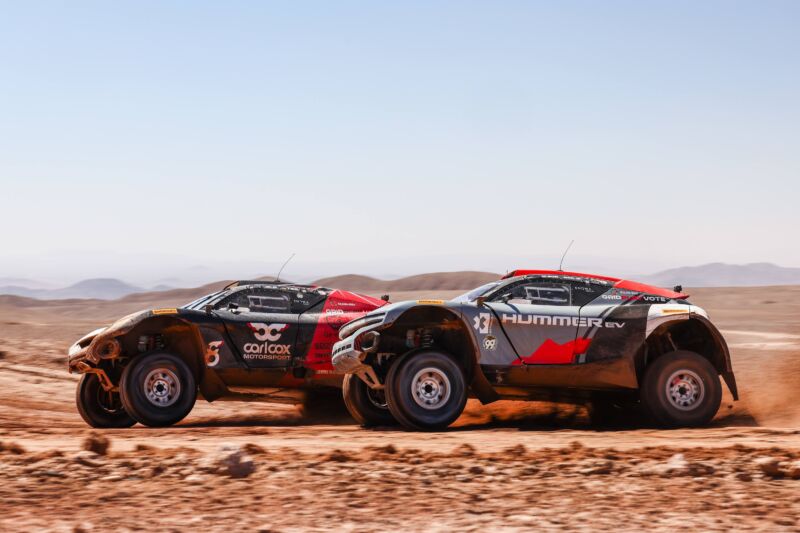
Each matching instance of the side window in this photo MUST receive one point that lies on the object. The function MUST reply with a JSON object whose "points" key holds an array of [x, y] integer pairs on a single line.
{"points": [[535, 293], [258, 301], [269, 301]]}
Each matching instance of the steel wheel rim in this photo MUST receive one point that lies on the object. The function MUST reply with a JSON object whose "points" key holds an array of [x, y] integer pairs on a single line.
{"points": [[685, 390], [430, 388], [162, 387]]}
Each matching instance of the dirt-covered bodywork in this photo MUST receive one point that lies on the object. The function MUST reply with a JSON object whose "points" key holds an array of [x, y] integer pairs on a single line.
{"points": [[540, 335], [259, 340]]}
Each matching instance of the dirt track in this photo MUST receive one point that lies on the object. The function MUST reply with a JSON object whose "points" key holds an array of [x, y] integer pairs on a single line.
{"points": [[518, 466]]}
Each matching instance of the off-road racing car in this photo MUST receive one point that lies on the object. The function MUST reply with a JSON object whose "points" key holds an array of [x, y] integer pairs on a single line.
{"points": [[615, 344], [252, 340]]}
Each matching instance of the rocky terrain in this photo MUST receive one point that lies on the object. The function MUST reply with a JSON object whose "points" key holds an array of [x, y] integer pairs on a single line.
{"points": [[386, 487]]}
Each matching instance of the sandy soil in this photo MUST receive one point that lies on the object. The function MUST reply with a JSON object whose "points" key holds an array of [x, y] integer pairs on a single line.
{"points": [[508, 465]]}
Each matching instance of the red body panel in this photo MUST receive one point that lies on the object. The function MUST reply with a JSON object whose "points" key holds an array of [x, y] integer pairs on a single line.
{"points": [[340, 308], [552, 353]]}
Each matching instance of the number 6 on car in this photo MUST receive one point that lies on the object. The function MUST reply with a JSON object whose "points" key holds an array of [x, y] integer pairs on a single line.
{"points": [[252, 340]]}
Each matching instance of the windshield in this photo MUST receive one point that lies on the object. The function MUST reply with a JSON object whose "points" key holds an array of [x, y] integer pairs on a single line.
{"points": [[200, 302], [474, 293]]}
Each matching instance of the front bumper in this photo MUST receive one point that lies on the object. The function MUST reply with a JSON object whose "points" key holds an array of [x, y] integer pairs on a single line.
{"points": [[345, 358], [77, 361]]}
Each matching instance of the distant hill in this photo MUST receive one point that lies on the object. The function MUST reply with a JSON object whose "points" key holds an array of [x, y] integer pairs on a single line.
{"points": [[725, 275], [436, 281], [710, 275], [100, 288], [24, 283]]}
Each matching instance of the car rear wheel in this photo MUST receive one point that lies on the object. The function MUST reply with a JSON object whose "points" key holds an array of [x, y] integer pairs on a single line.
{"points": [[367, 406], [681, 389], [426, 390], [98, 407], [158, 389]]}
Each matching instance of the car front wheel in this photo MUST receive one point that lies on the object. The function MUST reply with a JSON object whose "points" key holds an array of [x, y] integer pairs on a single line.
{"points": [[98, 407], [158, 389], [367, 406], [426, 390], [681, 389]]}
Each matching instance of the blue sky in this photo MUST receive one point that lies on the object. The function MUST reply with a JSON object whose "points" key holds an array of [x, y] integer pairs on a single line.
{"points": [[397, 137]]}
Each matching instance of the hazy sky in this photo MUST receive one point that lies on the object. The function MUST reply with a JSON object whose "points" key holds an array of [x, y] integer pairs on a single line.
{"points": [[654, 134]]}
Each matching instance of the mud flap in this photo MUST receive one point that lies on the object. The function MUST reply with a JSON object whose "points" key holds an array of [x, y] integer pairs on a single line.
{"points": [[730, 381]]}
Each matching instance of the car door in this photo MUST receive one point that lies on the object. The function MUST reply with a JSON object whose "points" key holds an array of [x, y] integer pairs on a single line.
{"points": [[261, 325], [539, 318]]}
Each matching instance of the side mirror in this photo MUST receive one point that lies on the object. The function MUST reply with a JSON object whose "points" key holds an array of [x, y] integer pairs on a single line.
{"points": [[385, 297], [208, 308], [480, 301]]}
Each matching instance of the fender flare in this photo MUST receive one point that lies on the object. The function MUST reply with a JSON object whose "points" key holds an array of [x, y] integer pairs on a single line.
{"points": [[479, 384], [723, 364]]}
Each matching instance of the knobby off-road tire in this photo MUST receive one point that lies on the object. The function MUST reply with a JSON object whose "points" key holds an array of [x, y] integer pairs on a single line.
{"points": [[98, 407], [426, 390], [681, 389], [367, 406], [158, 389]]}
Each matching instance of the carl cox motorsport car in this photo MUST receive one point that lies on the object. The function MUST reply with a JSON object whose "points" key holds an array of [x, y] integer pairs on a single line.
{"points": [[252, 340], [539, 335]]}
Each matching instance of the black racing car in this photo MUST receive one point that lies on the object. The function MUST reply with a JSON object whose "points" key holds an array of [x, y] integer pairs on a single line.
{"points": [[252, 340], [540, 335]]}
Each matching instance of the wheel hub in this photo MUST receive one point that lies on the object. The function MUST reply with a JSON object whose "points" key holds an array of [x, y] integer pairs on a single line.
{"points": [[430, 388], [685, 390], [162, 387]]}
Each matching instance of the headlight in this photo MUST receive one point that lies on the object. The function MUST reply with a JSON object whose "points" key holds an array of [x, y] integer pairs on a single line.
{"points": [[355, 325]]}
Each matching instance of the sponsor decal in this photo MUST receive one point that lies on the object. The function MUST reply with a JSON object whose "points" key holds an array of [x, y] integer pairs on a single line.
{"points": [[657, 299], [482, 323], [490, 342], [171, 311], [546, 320], [267, 332], [430, 302], [212, 353], [267, 350]]}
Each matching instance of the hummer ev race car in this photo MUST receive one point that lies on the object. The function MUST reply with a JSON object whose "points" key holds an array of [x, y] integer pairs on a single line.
{"points": [[252, 340], [560, 336]]}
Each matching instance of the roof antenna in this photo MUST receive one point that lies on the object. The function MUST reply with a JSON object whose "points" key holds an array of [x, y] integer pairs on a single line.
{"points": [[565, 255], [278, 277]]}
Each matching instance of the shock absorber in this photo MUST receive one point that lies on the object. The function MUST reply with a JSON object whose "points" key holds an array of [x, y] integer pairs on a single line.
{"points": [[426, 338]]}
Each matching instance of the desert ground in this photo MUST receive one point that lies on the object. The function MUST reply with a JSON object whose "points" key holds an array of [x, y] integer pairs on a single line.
{"points": [[506, 466]]}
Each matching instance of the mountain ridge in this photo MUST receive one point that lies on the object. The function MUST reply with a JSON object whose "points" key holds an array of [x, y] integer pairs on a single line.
{"points": [[707, 275]]}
